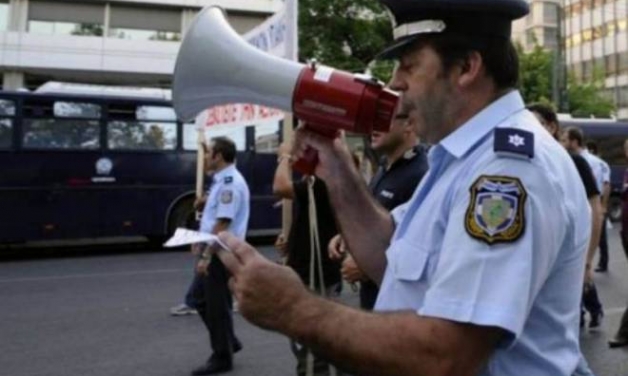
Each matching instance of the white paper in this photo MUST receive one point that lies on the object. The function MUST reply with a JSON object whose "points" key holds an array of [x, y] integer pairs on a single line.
{"points": [[183, 236]]}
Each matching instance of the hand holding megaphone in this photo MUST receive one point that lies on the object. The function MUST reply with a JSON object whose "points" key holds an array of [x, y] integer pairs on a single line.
{"points": [[215, 66]]}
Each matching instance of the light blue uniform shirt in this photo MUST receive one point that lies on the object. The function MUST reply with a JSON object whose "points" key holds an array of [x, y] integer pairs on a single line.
{"points": [[530, 287], [228, 198], [601, 170]]}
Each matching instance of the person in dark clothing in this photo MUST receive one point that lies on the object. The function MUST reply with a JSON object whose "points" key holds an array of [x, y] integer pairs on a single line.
{"points": [[402, 167], [621, 337], [590, 298], [299, 251]]}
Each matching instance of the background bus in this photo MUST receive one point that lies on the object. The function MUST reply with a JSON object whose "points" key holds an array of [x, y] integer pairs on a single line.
{"points": [[609, 136], [98, 164]]}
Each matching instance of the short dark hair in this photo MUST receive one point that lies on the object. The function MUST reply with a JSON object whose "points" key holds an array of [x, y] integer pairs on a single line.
{"points": [[575, 134], [498, 54], [546, 111], [225, 147], [592, 146]]}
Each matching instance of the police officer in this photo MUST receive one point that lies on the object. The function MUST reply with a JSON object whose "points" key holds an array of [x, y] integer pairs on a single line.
{"points": [[477, 269], [227, 209], [404, 162]]}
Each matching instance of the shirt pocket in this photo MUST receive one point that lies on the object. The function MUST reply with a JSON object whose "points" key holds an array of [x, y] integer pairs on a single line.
{"points": [[408, 261]]}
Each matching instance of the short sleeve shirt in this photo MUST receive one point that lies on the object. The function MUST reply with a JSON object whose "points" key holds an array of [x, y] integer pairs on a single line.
{"points": [[497, 239], [228, 198]]}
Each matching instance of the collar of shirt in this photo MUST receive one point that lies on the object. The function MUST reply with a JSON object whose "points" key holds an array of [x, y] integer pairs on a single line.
{"points": [[470, 133], [222, 174]]}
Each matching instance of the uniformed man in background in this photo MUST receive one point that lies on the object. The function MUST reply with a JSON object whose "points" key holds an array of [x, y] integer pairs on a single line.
{"points": [[226, 209], [403, 164], [477, 270]]}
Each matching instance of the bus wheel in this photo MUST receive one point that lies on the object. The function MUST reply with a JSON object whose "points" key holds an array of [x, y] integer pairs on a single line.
{"points": [[614, 208], [183, 215]]}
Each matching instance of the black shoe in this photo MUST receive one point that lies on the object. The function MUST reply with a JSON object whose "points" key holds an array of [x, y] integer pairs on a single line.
{"points": [[601, 269], [237, 346], [213, 367], [596, 319], [617, 342]]}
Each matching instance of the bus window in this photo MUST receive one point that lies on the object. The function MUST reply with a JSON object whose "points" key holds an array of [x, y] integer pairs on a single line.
{"points": [[6, 133], [135, 135], [149, 128], [235, 133], [267, 137], [611, 148], [61, 125], [7, 108]]}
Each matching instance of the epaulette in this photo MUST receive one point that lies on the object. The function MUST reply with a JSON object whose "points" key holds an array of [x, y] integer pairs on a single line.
{"points": [[511, 142], [228, 179]]}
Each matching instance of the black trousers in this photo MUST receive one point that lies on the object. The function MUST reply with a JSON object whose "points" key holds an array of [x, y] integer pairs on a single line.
{"points": [[591, 300], [603, 260], [215, 307], [368, 295]]}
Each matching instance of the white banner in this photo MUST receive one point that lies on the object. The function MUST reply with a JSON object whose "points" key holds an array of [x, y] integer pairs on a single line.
{"points": [[276, 36]]}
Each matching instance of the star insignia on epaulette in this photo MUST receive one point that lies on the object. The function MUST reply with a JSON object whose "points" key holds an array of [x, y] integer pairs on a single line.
{"points": [[496, 212]]}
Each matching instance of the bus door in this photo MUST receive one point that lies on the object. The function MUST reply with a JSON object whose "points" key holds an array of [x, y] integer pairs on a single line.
{"points": [[141, 142], [60, 142]]}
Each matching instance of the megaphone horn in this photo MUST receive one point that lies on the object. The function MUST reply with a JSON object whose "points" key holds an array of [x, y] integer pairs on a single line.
{"points": [[216, 66]]}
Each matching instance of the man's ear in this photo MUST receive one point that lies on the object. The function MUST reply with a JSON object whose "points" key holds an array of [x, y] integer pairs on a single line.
{"points": [[471, 69]]}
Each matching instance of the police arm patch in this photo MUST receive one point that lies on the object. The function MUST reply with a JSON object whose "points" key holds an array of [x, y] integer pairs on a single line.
{"points": [[496, 212], [226, 196]]}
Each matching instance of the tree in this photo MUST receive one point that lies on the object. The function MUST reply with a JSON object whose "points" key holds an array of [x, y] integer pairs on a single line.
{"points": [[344, 34], [586, 100], [535, 74]]}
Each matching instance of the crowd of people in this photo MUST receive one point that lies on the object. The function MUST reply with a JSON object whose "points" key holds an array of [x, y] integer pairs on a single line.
{"points": [[473, 245]]}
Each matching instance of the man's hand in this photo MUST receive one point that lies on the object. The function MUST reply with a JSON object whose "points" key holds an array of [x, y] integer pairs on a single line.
{"points": [[201, 266], [336, 248], [335, 162], [281, 245], [199, 203], [197, 249], [285, 148], [350, 271], [266, 292]]}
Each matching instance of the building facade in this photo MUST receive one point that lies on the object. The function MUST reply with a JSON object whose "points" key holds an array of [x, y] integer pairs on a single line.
{"points": [[109, 42], [593, 35]]}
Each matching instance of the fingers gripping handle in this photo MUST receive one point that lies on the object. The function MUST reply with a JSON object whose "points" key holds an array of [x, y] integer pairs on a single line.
{"points": [[306, 165]]}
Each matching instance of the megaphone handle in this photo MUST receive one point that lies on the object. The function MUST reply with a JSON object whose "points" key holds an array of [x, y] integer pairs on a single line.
{"points": [[307, 164]]}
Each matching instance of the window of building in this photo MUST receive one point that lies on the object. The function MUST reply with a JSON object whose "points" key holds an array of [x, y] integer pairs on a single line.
{"points": [[531, 38], [623, 96], [622, 24], [587, 35], [65, 18], [4, 15], [622, 63], [550, 13], [140, 23], [550, 37], [611, 64]]}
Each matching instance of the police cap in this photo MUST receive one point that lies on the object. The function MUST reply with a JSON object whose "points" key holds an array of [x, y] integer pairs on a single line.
{"points": [[413, 18]]}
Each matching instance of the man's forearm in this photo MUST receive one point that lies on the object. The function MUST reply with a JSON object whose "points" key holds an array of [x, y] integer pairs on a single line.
{"points": [[596, 227], [376, 344], [366, 227]]}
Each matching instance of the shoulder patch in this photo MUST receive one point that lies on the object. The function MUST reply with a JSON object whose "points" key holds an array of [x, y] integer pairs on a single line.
{"points": [[514, 143], [226, 196], [496, 211], [229, 179]]}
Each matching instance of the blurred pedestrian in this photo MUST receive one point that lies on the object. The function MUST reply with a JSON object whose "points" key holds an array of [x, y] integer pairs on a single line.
{"points": [[226, 209], [302, 247], [403, 164]]}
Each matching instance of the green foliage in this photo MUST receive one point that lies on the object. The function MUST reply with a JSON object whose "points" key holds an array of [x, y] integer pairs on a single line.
{"points": [[535, 75], [586, 100], [345, 34]]}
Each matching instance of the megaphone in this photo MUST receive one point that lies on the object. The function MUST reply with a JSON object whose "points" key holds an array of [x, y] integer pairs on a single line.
{"points": [[216, 66]]}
